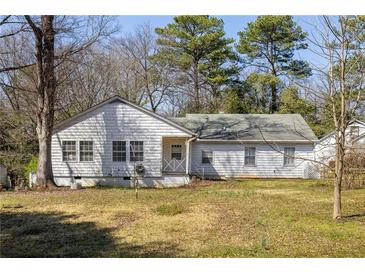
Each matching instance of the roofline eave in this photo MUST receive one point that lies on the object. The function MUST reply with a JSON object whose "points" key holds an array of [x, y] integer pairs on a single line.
{"points": [[258, 141]]}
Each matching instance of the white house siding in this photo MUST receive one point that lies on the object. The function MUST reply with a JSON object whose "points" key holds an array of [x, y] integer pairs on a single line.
{"points": [[360, 142], [113, 121], [325, 150], [228, 160]]}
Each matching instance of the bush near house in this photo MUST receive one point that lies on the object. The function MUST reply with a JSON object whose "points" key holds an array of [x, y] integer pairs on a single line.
{"points": [[31, 167]]}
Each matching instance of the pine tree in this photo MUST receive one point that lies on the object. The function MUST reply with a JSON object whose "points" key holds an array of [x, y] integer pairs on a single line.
{"points": [[197, 47], [269, 43]]}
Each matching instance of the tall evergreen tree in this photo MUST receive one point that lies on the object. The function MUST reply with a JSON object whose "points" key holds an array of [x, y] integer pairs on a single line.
{"points": [[197, 46], [269, 43]]}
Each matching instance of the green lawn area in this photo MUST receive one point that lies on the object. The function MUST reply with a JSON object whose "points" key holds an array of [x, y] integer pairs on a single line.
{"points": [[243, 218]]}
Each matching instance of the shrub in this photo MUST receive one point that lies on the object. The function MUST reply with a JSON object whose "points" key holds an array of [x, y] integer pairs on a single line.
{"points": [[354, 169], [31, 166]]}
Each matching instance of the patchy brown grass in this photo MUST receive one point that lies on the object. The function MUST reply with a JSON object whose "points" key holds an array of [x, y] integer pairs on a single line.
{"points": [[243, 218]]}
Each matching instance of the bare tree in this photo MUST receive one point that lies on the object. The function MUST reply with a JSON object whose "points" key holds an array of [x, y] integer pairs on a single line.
{"points": [[46, 88], [56, 42], [90, 79], [155, 78], [340, 42]]}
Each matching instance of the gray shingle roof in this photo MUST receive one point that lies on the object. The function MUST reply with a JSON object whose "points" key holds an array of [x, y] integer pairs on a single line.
{"points": [[251, 127]]}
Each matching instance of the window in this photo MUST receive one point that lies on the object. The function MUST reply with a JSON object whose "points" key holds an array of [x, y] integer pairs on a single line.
{"points": [[354, 132], [136, 151], [207, 157], [119, 151], [86, 151], [176, 152], [250, 156], [289, 153], [68, 150]]}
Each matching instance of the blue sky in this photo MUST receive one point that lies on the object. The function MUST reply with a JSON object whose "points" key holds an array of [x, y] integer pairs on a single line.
{"points": [[232, 25]]}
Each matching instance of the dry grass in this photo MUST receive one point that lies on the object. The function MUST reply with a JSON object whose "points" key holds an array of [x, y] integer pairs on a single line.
{"points": [[245, 218]]}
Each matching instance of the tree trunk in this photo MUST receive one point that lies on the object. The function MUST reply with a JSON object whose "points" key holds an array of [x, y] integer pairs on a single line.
{"points": [[340, 131], [274, 103], [337, 199], [196, 86], [46, 88], [339, 176], [44, 170]]}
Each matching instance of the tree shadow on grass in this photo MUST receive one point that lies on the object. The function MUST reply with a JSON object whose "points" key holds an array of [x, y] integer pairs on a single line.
{"points": [[354, 216], [24, 234]]}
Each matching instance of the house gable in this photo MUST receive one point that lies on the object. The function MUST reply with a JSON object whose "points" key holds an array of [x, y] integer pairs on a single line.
{"points": [[354, 122], [100, 107], [326, 148]]}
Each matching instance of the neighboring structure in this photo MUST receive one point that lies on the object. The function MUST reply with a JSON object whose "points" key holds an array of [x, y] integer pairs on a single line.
{"points": [[4, 176], [325, 150], [103, 145], [359, 142]]}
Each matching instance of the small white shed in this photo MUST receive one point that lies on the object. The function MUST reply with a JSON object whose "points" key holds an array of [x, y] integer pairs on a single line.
{"points": [[3, 176]]}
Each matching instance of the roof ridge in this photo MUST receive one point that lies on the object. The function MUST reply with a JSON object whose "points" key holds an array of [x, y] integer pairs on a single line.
{"points": [[241, 114], [125, 101]]}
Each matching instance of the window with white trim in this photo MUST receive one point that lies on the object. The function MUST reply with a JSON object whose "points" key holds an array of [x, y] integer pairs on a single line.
{"points": [[289, 153], [207, 157], [69, 151], [119, 151], [250, 156], [86, 151], [136, 151], [176, 152]]}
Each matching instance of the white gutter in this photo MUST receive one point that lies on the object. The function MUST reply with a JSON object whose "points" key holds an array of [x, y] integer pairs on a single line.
{"points": [[188, 155], [258, 141]]}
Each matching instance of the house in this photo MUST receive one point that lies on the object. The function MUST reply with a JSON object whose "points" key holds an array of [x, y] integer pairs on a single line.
{"points": [[105, 143], [325, 150]]}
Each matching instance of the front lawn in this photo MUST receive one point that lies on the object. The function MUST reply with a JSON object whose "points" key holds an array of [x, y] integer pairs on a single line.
{"points": [[245, 218]]}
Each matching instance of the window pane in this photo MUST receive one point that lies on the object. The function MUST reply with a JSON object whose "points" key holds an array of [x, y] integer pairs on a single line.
{"points": [[136, 151], [250, 155], [119, 151], [69, 150], [86, 151], [176, 152], [207, 157], [289, 153]]}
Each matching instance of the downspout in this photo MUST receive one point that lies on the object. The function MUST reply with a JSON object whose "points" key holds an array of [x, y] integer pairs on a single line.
{"points": [[188, 154]]}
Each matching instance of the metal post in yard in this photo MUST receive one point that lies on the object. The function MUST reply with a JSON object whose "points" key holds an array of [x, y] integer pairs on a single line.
{"points": [[135, 180], [136, 186]]}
